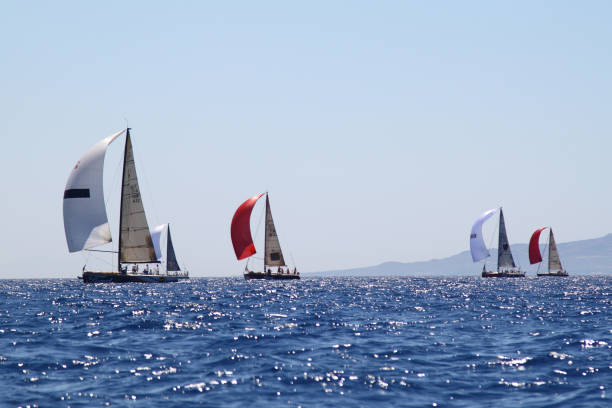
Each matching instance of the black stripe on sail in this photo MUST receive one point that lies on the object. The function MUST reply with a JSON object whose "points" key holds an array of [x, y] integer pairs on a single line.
{"points": [[77, 193]]}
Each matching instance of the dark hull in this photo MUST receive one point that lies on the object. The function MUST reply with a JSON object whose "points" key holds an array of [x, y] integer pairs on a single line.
{"points": [[490, 274], [272, 276], [560, 273], [115, 277]]}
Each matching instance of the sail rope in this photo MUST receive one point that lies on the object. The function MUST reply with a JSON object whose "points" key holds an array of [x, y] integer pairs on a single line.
{"points": [[89, 255], [491, 241], [545, 247], [111, 198], [261, 216], [150, 196]]}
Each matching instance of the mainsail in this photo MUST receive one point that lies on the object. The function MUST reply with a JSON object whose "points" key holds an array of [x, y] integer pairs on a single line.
{"points": [[554, 263], [171, 262], [477, 246], [534, 247], [273, 253], [241, 229], [135, 244], [504, 254], [85, 220]]}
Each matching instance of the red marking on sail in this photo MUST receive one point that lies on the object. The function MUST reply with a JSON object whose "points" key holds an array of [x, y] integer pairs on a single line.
{"points": [[534, 247], [241, 229]]}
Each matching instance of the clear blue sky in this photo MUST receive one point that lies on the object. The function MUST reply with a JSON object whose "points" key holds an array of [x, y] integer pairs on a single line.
{"points": [[380, 129]]}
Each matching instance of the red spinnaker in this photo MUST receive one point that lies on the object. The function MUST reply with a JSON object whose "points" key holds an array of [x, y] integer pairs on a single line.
{"points": [[241, 229], [534, 247]]}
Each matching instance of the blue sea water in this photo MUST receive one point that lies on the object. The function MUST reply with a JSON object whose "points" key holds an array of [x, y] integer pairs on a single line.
{"points": [[352, 342]]}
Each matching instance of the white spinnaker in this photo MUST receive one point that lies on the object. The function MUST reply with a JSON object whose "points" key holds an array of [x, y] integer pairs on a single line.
{"points": [[477, 246], [156, 234], [85, 221]]}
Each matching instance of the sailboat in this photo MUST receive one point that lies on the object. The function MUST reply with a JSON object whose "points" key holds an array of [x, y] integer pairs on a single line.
{"points": [[86, 223], [274, 261], [171, 264], [554, 263], [506, 268]]}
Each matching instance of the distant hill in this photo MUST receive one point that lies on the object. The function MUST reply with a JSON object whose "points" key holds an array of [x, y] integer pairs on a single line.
{"points": [[587, 257]]}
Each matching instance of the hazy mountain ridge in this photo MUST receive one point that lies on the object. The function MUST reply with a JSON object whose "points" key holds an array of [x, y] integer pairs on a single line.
{"points": [[586, 257]]}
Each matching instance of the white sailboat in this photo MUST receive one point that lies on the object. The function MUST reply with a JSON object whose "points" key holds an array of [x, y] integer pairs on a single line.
{"points": [[554, 263], [168, 262], [506, 268], [86, 223]]}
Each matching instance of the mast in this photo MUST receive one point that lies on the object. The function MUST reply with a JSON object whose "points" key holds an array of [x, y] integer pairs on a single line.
{"points": [[125, 150]]}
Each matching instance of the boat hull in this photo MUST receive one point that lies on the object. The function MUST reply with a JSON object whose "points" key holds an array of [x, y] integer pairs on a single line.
{"points": [[272, 276], [559, 273], [503, 274], [115, 277]]}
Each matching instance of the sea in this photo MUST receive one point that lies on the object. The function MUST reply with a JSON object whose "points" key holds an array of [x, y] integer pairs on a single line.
{"points": [[317, 342]]}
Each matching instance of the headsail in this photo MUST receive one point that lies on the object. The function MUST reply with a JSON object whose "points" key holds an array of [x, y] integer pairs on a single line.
{"points": [[477, 246], [273, 253], [135, 244], [534, 247], [85, 220], [171, 262], [504, 254], [241, 229], [554, 263]]}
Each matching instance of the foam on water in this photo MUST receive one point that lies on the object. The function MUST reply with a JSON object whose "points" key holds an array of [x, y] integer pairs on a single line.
{"points": [[318, 342]]}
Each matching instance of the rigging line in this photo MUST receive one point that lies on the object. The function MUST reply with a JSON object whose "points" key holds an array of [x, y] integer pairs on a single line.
{"points": [[101, 250], [261, 216], [100, 259], [517, 258], [150, 197], [111, 198], [545, 247], [491, 240], [540, 263]]}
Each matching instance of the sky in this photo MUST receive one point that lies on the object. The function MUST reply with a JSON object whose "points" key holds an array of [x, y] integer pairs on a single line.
{"points": [[381, 130]]}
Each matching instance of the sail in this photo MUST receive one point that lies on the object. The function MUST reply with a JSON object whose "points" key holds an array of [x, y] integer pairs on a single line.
{"points": [[171, 262], [273, 254], [241, 229], [156, 238], [156, 233], [534, 247], [477, 246], [554, 263], [135, 244], [85, 221], [504, 254]]}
